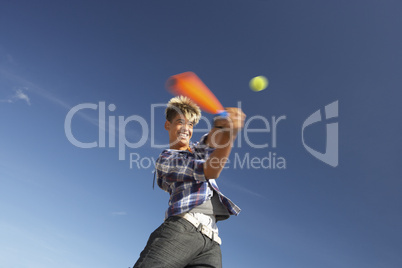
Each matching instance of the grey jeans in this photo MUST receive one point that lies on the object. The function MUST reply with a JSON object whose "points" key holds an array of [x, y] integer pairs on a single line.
{"points": [[178, 244]]}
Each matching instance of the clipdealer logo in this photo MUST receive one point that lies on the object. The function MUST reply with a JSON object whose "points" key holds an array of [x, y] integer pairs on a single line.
{"points": [[107, 125], [331, 155]]}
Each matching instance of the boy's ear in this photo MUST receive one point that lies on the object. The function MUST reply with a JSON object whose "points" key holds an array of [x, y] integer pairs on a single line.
{"points": [[167, 125]]}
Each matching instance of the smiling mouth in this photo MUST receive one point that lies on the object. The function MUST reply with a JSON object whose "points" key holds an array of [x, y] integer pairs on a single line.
{"points": [[183, 135]]}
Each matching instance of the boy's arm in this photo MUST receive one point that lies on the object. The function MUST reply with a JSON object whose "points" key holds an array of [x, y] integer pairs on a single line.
{"points": [[221, 137], [172, 167]]}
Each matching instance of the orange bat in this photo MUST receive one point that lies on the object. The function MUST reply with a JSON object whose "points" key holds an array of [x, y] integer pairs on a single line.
{"points": [[190, 85]]}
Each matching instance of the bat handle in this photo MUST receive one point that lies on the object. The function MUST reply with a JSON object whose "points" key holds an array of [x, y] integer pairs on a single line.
{"points": [[223, 114]]}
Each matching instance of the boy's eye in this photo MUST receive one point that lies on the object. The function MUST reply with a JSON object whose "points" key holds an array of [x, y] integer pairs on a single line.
{"points": [[182, 122]]}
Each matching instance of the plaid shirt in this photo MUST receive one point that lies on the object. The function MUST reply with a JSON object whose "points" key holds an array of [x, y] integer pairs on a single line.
{"points": [[181, 174]]}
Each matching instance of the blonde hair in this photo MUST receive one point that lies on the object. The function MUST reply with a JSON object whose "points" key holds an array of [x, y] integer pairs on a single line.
{"points": [[185, 106]]}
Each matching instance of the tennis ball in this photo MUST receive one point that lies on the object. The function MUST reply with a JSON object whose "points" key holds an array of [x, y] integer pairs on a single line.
{"points": [[258, 83]]}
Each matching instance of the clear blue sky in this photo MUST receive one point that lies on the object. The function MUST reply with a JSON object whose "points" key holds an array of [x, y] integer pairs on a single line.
{"points": [[71, 207]]}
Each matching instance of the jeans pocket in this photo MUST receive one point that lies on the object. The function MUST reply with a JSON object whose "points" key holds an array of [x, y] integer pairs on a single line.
{"points": [[179, 224]]}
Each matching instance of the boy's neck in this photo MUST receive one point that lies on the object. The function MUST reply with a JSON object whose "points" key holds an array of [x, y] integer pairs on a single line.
{"points": [[181, 148]]}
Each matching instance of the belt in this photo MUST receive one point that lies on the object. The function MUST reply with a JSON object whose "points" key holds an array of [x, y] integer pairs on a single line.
{"points": [[202, 228]]}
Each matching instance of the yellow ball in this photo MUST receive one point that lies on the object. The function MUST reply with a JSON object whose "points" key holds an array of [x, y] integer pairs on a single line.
{"points": [[258, 83]]}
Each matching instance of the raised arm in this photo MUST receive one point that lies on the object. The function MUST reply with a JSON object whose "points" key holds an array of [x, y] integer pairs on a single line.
{"points": [[221, 137]]}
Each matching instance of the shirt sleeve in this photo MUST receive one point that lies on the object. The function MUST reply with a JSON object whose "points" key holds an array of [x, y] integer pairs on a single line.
{"points": [[201, 149], [176, 166]]}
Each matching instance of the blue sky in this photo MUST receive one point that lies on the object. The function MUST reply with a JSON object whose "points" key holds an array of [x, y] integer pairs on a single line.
{"points": [[74, 207]]}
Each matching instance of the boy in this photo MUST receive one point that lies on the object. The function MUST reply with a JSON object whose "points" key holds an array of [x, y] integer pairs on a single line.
{"points": [[189, 235]]}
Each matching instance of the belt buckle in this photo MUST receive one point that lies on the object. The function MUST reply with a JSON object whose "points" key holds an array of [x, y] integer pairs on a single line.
{"points": [[208, 232], [202, 228]]}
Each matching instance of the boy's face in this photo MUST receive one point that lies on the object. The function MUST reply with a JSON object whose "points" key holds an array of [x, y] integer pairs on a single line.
{"points": [[180, 132]]}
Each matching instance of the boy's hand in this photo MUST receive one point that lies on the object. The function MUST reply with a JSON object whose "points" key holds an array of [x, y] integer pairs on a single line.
{"points": [[234, 121]]}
